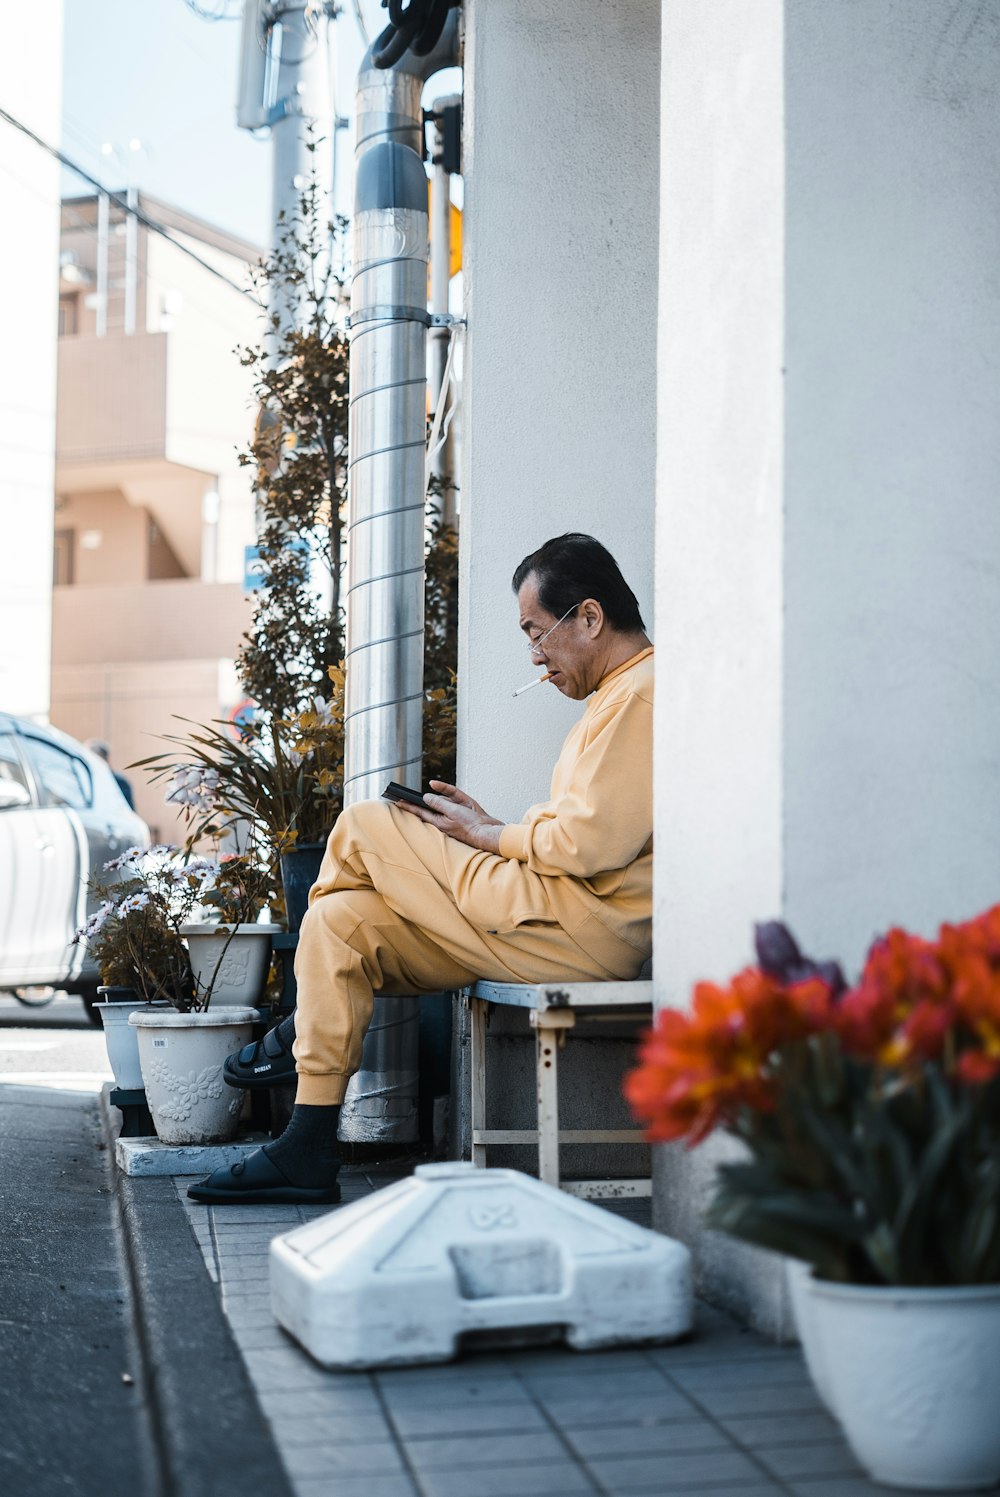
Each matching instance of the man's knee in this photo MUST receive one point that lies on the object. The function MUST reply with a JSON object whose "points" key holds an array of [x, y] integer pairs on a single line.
{"points": [[360, 825]]}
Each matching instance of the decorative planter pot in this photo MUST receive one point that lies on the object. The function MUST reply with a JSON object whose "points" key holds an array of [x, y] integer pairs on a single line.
{"points": [[799, 1279], [235, 965], [299, 871], [913, 1377], [121, 1039], [181, 1059]]}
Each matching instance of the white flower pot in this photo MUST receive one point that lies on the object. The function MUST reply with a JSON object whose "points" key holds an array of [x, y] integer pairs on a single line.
{"points": [[799, 1279], [242, 963], [122, 1042], [913, 1377], [181, 1059]]}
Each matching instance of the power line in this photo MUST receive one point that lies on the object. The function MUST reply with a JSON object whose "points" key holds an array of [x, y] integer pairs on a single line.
{"points": [[121, 199]]}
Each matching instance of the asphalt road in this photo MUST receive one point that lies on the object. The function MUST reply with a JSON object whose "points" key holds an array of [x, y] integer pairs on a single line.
{"points": [[74, 1407]]}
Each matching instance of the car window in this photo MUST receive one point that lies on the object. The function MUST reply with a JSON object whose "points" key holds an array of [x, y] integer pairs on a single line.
{"points": [[64, 779], [10, 763]]}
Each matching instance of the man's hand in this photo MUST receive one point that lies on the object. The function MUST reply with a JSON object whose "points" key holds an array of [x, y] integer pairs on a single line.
{"points": [[457, 815]]}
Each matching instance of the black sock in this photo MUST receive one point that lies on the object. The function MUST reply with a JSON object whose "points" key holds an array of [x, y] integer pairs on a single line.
{"points": [[306, 1153], [286, 1030]]}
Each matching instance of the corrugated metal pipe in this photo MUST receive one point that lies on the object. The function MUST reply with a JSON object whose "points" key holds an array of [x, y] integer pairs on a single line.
{"points": [[385, 514]]}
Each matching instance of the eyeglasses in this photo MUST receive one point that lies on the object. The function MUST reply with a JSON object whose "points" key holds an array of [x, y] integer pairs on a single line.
{"points": [[534, 645]]}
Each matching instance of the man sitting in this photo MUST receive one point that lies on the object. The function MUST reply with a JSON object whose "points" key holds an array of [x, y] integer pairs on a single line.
{"points": [[415, 899]]}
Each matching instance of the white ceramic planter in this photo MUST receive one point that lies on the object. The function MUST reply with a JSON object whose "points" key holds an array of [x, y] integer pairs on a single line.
{"points": [[799, 1278], [122, 1042], [242, 963], [913, 1376], [181, 1059]]}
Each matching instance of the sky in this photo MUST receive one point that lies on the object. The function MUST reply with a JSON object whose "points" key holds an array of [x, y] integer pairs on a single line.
{"points": [[154, 71]]}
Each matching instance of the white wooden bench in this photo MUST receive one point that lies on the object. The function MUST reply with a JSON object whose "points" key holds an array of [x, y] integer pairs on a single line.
{"points": [[552, 1010]]}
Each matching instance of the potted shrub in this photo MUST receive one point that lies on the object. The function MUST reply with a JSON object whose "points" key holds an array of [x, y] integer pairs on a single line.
{"points": [[136, 938], [230, 952], [871, 1121]]}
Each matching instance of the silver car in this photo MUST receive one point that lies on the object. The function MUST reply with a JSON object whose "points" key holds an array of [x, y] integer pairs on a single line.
{"points": [[62, 817]]}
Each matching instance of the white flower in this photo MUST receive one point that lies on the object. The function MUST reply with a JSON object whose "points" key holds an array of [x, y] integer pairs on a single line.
{"points": [[89, 930], [195, 787], [134, 903], [128, 858]]}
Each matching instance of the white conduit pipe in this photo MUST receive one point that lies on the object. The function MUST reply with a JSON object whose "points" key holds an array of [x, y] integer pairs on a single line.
{"points": [[385, 517]]}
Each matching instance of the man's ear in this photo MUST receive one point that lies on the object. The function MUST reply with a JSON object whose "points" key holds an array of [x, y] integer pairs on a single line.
{"points": [[593, 613]]}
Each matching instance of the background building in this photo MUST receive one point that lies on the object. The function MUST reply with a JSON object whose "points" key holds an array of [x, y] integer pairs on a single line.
{"points": [[29, 252], [152, 509]]}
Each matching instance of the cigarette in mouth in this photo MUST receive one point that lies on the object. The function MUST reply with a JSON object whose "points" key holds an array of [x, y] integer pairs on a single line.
{"points": [[537, 682]]}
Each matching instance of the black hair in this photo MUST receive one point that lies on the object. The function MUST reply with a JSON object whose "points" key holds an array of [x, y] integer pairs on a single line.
{"points": [[572, 567]]}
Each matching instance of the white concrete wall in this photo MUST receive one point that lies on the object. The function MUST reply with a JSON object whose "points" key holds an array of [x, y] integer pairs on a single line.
{"points": [[827, 523], [560, 274], [892, 683], [29, 260], [719, 590]]}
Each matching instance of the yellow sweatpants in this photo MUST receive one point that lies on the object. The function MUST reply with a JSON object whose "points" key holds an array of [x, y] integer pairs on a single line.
{"points": [[401, 908]]}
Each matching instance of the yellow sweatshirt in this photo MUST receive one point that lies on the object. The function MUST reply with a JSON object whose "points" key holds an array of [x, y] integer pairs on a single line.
{"points": [[591, 843]]}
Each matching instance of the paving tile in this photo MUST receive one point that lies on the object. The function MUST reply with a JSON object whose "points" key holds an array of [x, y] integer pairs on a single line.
{"points": [[541, 1479], [473, 1369], [676, 1473], [243, 1297], [419, 1394], [298, 1403], [567, 1389], [615, 1440], [636, 1408], [270, 1211], [760, 1488], [850, 1486], [254, 1273], [782, 1429], [563, 1359], [259, 1337], [713, 1349], [829, 1458], [287, 1369], [437, 1453], [769, 1372], [332, 1458], [299, 1430], [374, 1486], [724, 1403], [445, 1418]]}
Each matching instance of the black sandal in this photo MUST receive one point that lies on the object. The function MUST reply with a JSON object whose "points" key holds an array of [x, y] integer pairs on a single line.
{"points": [[257, 1179], [266, 1062]]}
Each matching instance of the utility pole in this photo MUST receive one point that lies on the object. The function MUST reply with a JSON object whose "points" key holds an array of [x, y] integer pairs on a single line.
{"points": [[284, 85]]}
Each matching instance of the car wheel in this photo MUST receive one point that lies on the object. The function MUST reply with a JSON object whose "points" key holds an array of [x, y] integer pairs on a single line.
{"points": [[34, 997]]}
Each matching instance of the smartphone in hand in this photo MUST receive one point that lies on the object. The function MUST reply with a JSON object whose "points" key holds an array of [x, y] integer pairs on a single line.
{"points": [[395, 791]]}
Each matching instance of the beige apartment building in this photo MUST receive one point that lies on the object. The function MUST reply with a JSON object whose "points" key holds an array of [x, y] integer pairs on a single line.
{"points": [[152, 510]]}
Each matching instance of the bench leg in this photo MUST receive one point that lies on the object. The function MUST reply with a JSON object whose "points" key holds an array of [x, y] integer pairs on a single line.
{"points": [[547, 1072], [477, 1068]]}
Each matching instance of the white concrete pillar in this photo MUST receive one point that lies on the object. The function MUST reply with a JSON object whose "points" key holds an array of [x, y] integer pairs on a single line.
{"points": [[719, 582], [828, 712], [892, 456], [560, 226]]}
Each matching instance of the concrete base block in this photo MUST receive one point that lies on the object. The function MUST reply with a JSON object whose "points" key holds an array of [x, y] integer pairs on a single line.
{"points": [[457, 1255], [147, 1156]]}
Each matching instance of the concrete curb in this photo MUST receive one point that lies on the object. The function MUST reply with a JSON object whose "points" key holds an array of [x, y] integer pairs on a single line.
{"points": [[210, 1434]]}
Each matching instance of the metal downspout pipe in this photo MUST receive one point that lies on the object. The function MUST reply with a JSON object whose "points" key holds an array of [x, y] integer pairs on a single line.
{"points": [[385, 516]]}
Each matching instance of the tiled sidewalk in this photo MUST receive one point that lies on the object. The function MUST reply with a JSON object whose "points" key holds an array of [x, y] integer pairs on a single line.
{"points": [[727, 1413]]}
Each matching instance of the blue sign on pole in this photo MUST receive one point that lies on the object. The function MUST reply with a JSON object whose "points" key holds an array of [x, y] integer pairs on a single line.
{"points": [[253, 565]]}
